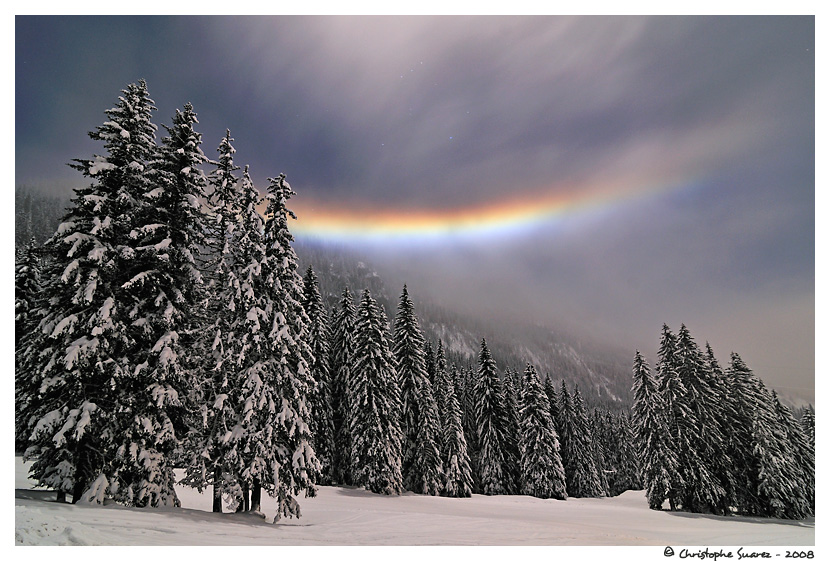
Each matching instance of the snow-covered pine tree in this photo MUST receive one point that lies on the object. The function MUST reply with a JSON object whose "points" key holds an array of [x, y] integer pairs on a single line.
{"points": [[322, 425], [626, 463], [280, 391], [742, 393], [466, 401], [341, 353], [511, 389], [565, 430], [770, 465], [491, 422], [596, 428], [422, 469], [233, 248], [585, 477], [375, 404], [542, 474], [721, 406], [798, 464], [703, 491], [770, 475], [439, 384], [458, 481], [166, 295], [779, 490], [93, 325], [679, 418]]}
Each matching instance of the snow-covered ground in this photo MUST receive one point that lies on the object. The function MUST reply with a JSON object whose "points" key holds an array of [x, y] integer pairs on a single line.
{"points": [[345, 516]]}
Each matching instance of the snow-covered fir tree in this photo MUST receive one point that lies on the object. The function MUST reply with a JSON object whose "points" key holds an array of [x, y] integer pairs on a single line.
{"points": [[492, 426], [511, 390], [99, 298], [585, 478], [466, 401], [458, 480], [798, 463], [234, 250], [624, 466], [679, 419], [375, 404], [700, 436], [541, 471], [165, 290], [596, 428], [581, 475], [341, 353], [422, 469], [278, 394], [439, 384], [720, 423], [322, 425]]}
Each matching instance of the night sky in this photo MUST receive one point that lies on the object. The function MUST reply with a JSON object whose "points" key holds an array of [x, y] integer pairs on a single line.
{"points": [[607, 174]]}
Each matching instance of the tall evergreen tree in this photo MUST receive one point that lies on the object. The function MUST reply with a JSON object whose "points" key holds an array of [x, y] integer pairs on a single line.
{"points": [[322, 424], [511, 388], [625, 464], [743, 400], [700, 437], [721, 408], [167, 296], [585, 480], [680, 421], [596, 428], [798, 463], [422, 469], [341, 351], [457, 481], [375, 402], [491, 422], [283, 460], [542, 474], [234, 251], [94, 323]]}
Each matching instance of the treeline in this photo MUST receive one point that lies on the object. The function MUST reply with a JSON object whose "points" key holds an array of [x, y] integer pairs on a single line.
{"points": [[718, 441], [36, 215]]}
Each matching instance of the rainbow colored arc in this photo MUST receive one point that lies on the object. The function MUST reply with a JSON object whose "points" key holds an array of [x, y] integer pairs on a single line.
{"points": [[513, 216]]}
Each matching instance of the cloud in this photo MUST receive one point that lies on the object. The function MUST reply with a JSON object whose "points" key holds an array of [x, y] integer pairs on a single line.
{"points": [[706, 124]]}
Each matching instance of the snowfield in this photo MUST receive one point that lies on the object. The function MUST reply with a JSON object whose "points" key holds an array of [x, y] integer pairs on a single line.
{"points": [[347, 516]]}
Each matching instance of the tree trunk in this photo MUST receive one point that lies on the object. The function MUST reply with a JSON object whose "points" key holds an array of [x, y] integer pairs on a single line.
{"points": [[61, 497], [256, 496], [78, 490], [217, 493], [244, 505]]}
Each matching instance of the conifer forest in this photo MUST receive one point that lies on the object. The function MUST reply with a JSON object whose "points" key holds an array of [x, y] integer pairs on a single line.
{"points": [[166, 323]]}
